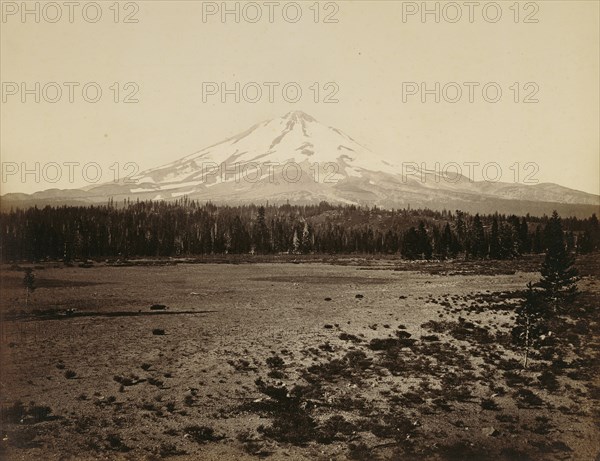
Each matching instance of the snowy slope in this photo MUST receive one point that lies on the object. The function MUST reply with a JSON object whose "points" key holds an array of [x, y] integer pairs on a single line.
{"points": [[296, 159]]}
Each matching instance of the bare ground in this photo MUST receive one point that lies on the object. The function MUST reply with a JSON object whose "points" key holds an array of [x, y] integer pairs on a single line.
{"points": [[335, 359]]}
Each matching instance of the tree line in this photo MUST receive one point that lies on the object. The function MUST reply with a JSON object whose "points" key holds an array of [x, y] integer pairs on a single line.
{"points": [[186, 228]]}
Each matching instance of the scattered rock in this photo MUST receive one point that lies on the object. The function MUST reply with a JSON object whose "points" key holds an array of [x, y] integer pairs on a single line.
{"points": [[359, 296], [430, 338], [329, 326], [560, 446], [490, 431], [349, 337]]}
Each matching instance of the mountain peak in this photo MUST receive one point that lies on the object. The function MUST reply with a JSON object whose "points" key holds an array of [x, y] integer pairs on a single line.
{"points": [[298, 115]]}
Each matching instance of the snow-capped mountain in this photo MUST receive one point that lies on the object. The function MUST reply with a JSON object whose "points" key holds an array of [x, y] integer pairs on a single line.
{"points": [[296, 159], [294, 138]]}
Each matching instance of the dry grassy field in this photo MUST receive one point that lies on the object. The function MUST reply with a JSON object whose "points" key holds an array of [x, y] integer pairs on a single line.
{"points": [[345, 359]]}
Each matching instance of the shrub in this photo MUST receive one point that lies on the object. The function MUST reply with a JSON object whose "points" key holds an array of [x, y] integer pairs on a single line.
{"points": [[202, 434], [70, 374]]}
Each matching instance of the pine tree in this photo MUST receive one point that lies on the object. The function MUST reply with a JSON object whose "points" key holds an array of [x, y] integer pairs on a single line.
{"points": [[495, 240], [585, 243], [594, 229], [559, 277], [538, 240], [524, 240], [261, 232], [424, 248], [306, 241], [296, 243], [478, 244], [447, 242], [530, 325], [461, 231], [590, 240], [29, 284], [410, 244], [438, 246], [508, 242]]}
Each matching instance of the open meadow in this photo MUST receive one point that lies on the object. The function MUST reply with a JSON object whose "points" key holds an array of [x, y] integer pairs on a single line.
{"points": [[349, 358]]}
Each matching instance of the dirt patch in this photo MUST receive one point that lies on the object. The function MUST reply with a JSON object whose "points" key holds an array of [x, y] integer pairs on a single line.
{"points": [[420, 367]]}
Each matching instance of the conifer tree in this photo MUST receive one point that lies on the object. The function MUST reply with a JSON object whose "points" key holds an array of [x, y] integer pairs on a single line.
{"points": [[590, 240], [495, 240], [28, 283], [410, 244], [530, 321], [261, 232], [447, 242], [559, 277], [478, 244], [424, 248]]}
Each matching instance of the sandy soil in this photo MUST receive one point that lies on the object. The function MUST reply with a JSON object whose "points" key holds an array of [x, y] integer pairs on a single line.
{"points": [[287, 361]]}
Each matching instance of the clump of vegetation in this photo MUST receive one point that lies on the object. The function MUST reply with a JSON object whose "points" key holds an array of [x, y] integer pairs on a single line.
{"points": [[168, 449], [547, 380], [349, 337], [489, 404], [276, 364], [527, 398], [19, 413], [202, 434], [155, 382], [126, 381], [292, 423], [242, 365], [254, 445], [359, 451], [115, 442], [336, 427], [297, 428]]}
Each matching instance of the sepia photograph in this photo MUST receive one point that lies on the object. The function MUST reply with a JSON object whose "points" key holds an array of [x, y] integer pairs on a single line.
{"points": [[302, 230]]}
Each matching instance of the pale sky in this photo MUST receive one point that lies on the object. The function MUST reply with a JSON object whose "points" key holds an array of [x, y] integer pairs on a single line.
{"points": [[368, 54]]}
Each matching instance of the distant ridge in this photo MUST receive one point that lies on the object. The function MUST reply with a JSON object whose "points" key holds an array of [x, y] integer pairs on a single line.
{"points": [[296, 159]]}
